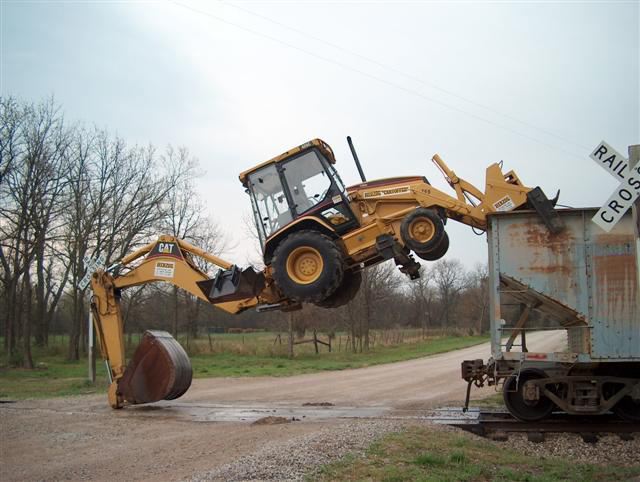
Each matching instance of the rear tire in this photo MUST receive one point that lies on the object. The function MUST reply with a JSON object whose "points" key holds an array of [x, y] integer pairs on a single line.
{"points": [[345, 292], [438, 252], [422, 230], [308, 266]]}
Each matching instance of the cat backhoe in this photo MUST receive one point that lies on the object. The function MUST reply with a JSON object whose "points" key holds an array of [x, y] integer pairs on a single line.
{"points": [[316, 236]]}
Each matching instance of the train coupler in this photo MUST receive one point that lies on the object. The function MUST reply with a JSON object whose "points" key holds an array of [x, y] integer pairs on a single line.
{"points": [[474, 372]]}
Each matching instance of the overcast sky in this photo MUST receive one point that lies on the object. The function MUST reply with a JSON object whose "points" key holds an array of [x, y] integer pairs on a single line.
{"points": [[536, 84]]}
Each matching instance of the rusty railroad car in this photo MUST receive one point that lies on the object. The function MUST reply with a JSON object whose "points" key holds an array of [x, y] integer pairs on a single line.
{"points": [[582, 280]]}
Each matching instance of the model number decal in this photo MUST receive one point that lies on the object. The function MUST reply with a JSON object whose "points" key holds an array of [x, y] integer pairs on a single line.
{"points": [[387, 192]]}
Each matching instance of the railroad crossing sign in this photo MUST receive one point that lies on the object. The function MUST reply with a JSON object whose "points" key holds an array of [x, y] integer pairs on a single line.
{"points": [[91, 265], [625, 194]]}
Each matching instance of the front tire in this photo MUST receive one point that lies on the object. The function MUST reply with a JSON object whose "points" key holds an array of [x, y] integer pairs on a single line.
{"points": [[422, 230], [438, 252], [308, 266]]}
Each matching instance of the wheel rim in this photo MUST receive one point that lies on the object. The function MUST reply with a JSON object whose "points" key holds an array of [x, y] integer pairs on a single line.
{"points": [[304, 265], [528, 411], [422, 229]]}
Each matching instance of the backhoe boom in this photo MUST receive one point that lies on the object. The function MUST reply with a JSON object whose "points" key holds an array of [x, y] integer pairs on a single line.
{"points": [[170, 260]]}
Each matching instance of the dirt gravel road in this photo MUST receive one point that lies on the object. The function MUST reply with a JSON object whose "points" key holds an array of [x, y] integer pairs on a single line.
{"points": [[78, 438]]}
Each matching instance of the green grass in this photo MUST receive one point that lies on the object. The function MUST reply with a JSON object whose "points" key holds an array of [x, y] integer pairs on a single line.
{"points": [[237, 365], [231, 355], [420, 454], [53, 377]]}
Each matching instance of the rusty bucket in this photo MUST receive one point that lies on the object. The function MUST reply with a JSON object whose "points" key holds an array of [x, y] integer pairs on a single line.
{"points": [[159, 370]]}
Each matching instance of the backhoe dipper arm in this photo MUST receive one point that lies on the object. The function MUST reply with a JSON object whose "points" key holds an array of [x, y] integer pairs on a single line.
{"points": [[167, 259]]}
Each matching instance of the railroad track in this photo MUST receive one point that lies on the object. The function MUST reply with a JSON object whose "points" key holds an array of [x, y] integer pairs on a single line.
{"points": [[497, 425]]}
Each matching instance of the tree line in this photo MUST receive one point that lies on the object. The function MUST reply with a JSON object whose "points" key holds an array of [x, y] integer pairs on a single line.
{"points": [[71, 192]]}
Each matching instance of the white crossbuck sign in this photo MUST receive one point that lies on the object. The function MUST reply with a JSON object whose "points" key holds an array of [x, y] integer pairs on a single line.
{"points": [[626, 193], [91, 265]]}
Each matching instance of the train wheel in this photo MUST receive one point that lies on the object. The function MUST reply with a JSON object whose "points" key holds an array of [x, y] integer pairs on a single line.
{"points": [[518, 405], [628, 409]]}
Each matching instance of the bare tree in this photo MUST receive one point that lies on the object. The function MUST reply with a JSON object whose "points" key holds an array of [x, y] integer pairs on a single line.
{"points": [[29, 192], [379, 283], [422, 299], [118, 194], [449, 276], [476, 298], [11, 142]]}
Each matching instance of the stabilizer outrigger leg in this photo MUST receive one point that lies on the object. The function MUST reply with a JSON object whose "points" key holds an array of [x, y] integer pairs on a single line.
{"points": [[233, 284]]}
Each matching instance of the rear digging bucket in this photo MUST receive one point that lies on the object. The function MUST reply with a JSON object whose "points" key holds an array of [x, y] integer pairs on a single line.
{"points": [[233, 284], [159, 370]]}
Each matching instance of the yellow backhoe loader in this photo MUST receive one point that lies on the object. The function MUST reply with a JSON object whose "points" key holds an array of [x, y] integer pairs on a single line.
{"points": [[317, 236]]}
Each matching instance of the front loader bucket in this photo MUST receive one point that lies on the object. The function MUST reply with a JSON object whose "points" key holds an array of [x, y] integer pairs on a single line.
{"points": [[233, 284], [159, 370], [539, 201]]}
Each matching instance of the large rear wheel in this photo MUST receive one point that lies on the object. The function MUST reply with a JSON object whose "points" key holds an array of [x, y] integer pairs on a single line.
{"points": [[308, 266], [522, 407]]}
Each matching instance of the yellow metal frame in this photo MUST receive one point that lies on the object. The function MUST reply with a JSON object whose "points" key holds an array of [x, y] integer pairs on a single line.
{"points": [[381, 205]]}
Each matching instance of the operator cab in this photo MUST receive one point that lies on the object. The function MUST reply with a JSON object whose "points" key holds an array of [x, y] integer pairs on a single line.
{"points": [[299, 183]]}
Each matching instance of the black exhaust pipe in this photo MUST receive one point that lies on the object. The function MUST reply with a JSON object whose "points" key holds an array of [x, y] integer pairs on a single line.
{"points": [[355, 158]]}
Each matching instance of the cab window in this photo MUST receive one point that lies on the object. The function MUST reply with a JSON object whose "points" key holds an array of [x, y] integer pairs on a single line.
{"points": [[307, 180], [270, 202]]}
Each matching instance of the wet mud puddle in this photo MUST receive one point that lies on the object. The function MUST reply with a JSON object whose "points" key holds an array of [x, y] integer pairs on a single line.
{"points": [[205, 412]]}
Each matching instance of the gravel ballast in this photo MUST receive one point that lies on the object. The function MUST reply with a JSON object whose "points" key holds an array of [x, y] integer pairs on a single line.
{"points": [[302, 456]]}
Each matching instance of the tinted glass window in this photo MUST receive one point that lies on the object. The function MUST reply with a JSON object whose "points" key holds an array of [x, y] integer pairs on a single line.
{"points": [[269, 200], [307, 180]]}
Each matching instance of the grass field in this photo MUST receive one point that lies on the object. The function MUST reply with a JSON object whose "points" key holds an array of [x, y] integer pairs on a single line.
{"points": [[420, 454], [226, 355]]}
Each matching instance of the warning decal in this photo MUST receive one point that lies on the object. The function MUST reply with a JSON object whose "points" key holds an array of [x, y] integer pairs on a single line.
{"points": [[504, 204], [164, 269]]}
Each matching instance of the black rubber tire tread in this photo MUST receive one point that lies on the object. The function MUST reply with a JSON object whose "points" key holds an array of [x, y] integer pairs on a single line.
{"points": [[515, 401], [438, 252], [332, 273], [427, 246], [345, 292]]}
